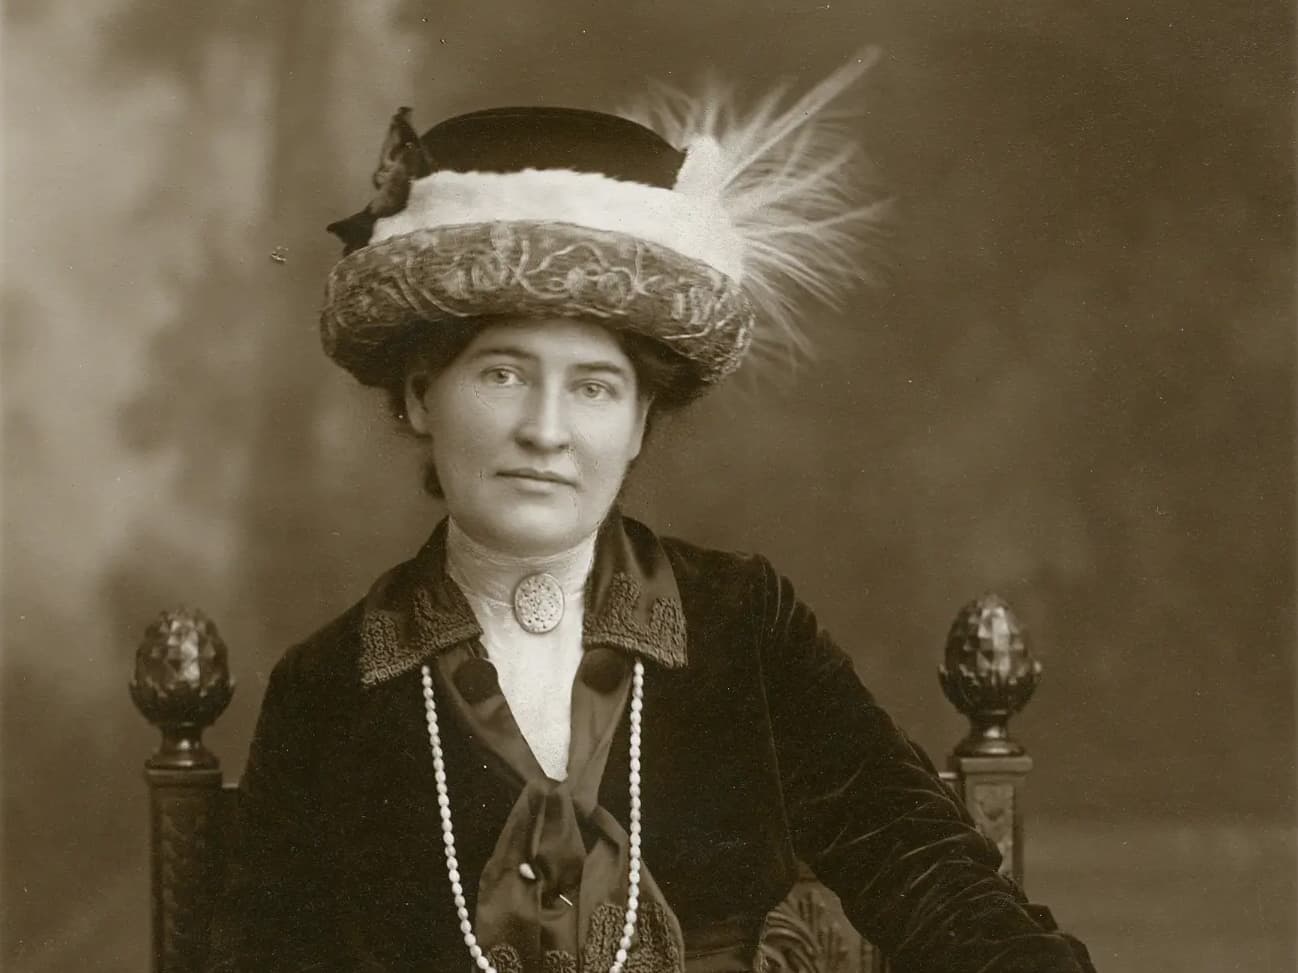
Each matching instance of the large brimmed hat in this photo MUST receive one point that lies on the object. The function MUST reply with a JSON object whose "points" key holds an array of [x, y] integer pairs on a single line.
{"points": [[692, 234]]}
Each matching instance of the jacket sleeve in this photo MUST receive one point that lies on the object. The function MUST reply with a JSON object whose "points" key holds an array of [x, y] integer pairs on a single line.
{"points": [[274, 915], [870, 816]]}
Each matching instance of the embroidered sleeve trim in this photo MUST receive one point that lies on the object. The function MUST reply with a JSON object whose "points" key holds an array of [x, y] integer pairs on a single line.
{"points": [[654, 949]]}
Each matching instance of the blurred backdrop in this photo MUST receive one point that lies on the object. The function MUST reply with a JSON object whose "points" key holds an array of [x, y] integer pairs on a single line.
{"points": [[1075, 387]]}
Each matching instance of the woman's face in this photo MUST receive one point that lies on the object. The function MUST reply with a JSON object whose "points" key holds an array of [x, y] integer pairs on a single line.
{"points": [[533, 427]]}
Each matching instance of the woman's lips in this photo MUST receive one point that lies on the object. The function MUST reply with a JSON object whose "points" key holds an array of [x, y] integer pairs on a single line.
{"points": [[537, 477]]}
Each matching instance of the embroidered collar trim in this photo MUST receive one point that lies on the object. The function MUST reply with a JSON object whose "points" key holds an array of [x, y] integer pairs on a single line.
{"points": [[415, 611]]}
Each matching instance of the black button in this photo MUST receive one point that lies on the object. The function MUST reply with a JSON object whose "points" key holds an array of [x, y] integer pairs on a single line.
{"points": [[476, 679], [603, 669]]}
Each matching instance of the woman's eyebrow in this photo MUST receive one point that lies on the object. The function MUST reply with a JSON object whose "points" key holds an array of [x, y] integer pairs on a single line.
{"points": [[505, 351], [602, 366]]}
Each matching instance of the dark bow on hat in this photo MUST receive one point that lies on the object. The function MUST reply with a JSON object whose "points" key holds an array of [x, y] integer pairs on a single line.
{"points": [[402, 160]]}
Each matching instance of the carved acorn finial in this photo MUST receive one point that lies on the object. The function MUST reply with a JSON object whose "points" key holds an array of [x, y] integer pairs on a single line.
{"points": [[182, 684], [989, 674]]}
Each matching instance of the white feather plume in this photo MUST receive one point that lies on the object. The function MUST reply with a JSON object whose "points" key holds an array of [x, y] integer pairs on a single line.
{"points": [[789, 179]]}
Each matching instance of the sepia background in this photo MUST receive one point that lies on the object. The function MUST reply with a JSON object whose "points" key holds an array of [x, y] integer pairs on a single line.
{"points": [[1075, 387]]}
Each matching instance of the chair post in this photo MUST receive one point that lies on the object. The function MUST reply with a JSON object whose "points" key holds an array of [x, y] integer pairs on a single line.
{"points": [[181, 685], [989, 675]]}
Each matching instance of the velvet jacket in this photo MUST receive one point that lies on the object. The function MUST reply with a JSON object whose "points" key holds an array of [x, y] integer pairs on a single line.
{"points": [[760, 747]]}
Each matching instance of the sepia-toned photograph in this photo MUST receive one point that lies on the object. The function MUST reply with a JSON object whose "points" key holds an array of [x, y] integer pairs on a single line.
{"points": [[676, 487]]}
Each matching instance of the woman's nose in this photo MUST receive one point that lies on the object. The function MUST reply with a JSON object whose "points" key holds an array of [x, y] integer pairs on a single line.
{"points": [[544, 424]]}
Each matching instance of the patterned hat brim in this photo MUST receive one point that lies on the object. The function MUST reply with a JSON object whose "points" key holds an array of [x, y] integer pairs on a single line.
{"points": [[378, 296]]}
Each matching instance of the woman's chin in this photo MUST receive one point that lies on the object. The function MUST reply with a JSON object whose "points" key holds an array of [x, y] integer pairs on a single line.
{"points": [[534, 525]]}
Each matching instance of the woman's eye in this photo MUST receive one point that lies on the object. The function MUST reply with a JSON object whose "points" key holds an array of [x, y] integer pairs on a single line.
{"points": [[500, 376], [595, 390]]}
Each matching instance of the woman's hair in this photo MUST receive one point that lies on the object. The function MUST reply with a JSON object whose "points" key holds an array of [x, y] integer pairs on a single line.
{"points": [[669, 380]]}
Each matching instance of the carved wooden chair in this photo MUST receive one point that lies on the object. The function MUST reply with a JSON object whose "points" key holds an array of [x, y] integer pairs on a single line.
{"points": [[182, 684]]}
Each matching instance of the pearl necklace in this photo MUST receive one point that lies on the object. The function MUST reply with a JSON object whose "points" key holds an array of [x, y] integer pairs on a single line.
{"points": [[448, 829]]}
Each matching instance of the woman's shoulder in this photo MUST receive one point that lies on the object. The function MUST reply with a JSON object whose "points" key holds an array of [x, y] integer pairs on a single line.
{"points": [[322, 656], [710, 572], [743, 585], [332, 652]]}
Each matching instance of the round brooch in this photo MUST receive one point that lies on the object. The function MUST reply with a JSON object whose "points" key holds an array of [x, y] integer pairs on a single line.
{"points": [[538, 603]]}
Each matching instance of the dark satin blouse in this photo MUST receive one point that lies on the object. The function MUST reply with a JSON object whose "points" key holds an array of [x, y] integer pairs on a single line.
{"points": [[760, 747], [571, 900]]}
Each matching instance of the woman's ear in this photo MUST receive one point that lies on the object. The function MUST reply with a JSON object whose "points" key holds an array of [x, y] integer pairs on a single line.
{"points": [[418, 382], [643, 404]]}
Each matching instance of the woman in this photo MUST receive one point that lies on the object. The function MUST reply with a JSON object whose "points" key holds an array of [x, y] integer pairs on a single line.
{"points": [[553, 741]]}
